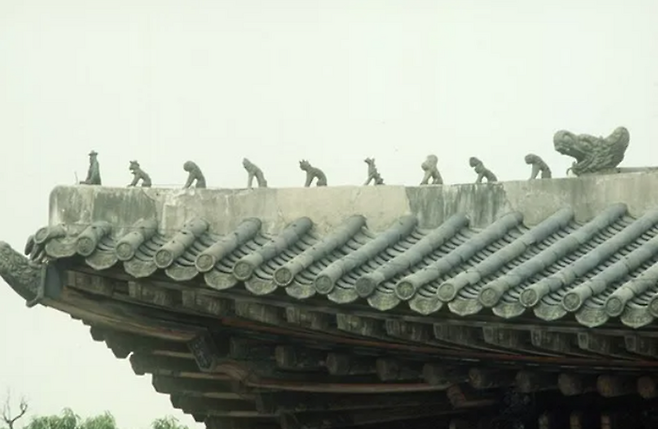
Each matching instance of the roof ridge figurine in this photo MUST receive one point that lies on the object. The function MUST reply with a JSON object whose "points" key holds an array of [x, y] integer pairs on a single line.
{"points": [[139, 174], [254, 171], [431, 170], [373, 173], [538, 166], [482, 171], [194, 175], [594, 155], [312, 173], [94, 171]]}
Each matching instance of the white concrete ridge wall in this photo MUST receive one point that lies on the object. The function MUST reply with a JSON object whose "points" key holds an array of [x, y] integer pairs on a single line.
{"points": [[329, 206]]}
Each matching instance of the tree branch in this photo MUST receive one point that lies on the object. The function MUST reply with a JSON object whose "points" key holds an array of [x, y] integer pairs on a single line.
{"points": [[7, 414]]}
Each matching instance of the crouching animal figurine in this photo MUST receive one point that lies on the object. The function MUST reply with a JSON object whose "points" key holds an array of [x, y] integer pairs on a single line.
{"points": [[373, 174], [194, 174], [482, 171], [254, 171], [538, 166], [431, 171], [312, 173], [139, 174]]}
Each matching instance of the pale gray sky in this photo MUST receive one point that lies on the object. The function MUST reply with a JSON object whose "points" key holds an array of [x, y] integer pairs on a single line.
{"points": [[333, 81]]}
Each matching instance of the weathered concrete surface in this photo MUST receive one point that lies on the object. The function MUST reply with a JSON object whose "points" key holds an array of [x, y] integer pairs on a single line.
{"points": [[329, 206]]}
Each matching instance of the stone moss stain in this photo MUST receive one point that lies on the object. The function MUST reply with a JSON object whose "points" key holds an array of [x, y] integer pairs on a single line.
{"points": [[482, 203]]}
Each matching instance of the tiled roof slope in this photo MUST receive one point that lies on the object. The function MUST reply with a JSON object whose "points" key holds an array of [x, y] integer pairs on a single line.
{"points": [[605, 268]]}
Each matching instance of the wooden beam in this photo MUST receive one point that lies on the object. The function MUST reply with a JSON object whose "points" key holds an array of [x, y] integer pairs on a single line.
{"points": [[647, 387], [215, 389], [587, 419], [174, 367], [558, 342], [124, 343], [213, 422], [309, 319], [410, 331], [126, 317], [603, 345], [149, 293], [216, 407], [535, 381], [553, 420], [97, 285], [394, 370], [345, 364], [462, 423], [481, 378], [361, 418], [291, 402], [259, 312], [458, 334], [359, 325], [465, 396], [510, 339], [575, 384], [611, 386], [299, 359], [209, 351], [205, 302], [438, 374], [97, 332], [99, 316]]}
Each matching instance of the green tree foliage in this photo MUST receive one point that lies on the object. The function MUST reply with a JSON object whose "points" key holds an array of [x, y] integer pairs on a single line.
{"points": [[14, 417], [68, 419], [168, 422]]}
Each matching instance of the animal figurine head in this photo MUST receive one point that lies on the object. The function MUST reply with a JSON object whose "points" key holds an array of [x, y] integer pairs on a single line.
{"points": [[531, 158], [430, 162], [304, 165], [474, 162], [134, 166]]}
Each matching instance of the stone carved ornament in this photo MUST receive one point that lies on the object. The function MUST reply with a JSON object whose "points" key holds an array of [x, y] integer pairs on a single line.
{"points": [[482, 171], [139, 174], [538, 166], [373, 173], [312, 173], [592, 155]]}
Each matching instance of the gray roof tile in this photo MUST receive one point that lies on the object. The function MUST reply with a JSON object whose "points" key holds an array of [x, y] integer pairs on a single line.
{"points": [[606, 268]]}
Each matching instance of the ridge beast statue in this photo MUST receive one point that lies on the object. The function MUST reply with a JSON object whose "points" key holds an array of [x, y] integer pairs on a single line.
{"points": [[373, 173], [21, 273], [312, 173], [94, 171], [254, 171], [482, 171], [538, 166], [139, 174], [194, 175], [594, 155], [431, 171]]}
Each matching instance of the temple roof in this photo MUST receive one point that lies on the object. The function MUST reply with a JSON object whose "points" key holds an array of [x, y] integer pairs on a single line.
{"points": [[464, 250], [338, 307]]}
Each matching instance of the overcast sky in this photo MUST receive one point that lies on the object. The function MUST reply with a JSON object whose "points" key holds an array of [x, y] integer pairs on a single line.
{"points": [[333, 81]]}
